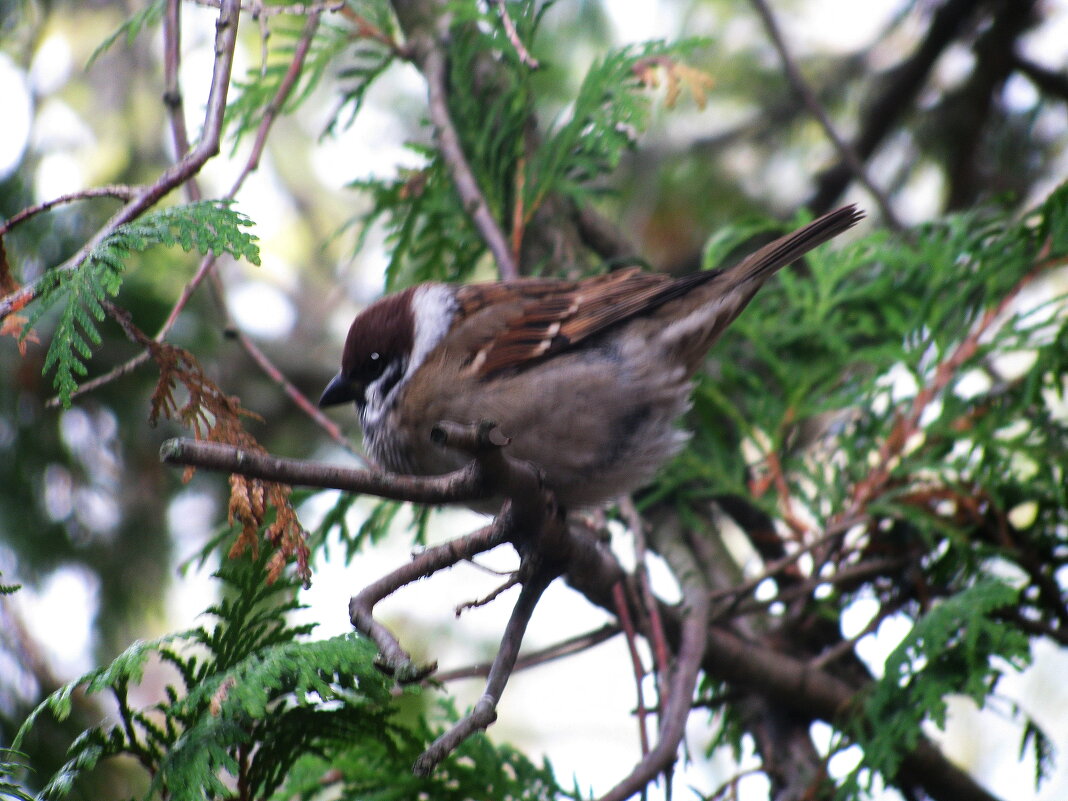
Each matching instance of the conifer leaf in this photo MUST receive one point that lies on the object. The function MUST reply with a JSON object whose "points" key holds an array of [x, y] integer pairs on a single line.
{"points": [[204, 226]]}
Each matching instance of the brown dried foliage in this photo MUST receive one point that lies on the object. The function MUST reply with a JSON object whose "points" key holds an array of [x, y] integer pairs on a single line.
{"points": [[215, 416]]}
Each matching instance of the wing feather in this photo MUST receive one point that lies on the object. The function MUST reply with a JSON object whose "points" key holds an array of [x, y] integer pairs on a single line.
{"points": [[547, 316]]}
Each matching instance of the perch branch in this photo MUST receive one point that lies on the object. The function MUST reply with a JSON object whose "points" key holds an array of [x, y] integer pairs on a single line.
{"points": [[466, 484], [361, 607]]}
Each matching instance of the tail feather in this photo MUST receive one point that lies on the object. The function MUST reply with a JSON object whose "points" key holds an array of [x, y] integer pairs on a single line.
{"points": [[787, 249], [725, 294]]}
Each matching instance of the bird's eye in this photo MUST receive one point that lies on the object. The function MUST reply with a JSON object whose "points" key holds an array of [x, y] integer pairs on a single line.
{"points": [[376, 364]]}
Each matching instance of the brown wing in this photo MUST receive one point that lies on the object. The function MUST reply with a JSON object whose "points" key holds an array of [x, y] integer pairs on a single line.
{"points": [[539, 317], [518, 322]]}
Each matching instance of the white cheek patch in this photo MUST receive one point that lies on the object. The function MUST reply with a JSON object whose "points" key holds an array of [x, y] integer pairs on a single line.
{"points": [[433, 310], [376, 398]]}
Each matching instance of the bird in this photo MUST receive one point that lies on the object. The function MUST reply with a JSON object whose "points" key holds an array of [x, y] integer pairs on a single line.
{"points": [[587, 378]]}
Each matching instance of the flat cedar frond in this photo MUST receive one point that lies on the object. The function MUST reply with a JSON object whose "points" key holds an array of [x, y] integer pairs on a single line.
{"points": [[217, 417], [204, 226], [951, 649], [254, 702]]}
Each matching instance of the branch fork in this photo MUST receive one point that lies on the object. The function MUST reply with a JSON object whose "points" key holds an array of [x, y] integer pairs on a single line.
{"points": [[529, 519]]}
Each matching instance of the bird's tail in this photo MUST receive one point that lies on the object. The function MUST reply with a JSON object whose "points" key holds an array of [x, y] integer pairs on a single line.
{"points": [[787, 249], [708, 311]]}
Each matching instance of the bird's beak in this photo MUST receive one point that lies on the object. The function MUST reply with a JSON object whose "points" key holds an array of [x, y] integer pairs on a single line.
{"points": [[340, 390]]}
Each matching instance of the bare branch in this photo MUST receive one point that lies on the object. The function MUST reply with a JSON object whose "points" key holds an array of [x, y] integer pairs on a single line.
{"points": [[619, 594], [897, 94], [361, 607], [121, 192], [464, 485], [572, 645], [474, 202], [845, 150], [485, 710], [675, 706], [513, 37]]}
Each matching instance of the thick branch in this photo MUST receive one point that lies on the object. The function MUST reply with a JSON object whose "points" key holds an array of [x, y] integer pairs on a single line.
{"points": [[464, 485]]}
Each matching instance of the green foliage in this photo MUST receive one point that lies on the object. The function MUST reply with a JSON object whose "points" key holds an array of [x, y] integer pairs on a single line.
{"points": [[381, 769], [255, 702], [11, 765], [366, 54], [205, 226], [953, 649], [820, 372], [429, 234], [147, 17], [610, 111]]}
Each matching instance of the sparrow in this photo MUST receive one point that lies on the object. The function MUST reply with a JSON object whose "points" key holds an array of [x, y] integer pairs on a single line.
{"points": [[586, 377]]}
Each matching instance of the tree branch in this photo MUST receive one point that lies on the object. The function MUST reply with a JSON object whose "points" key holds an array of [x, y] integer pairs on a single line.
{"points": [[464, 485], [474, 202], [174, 176], [845, 151], [896, 96]]}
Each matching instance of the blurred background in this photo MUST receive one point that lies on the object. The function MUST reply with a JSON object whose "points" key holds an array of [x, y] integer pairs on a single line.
{"points": [[955, 103]]}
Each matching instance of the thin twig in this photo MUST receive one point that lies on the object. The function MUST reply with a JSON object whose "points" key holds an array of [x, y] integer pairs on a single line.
{"points": [[474, 202], [619, 594], [485, 710], [572, 645], [845, 150], [121, 192], [393, 657], [846, 646], [513, 36], [656, 626], [289, 388], [496, 593], [675, 709]]}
